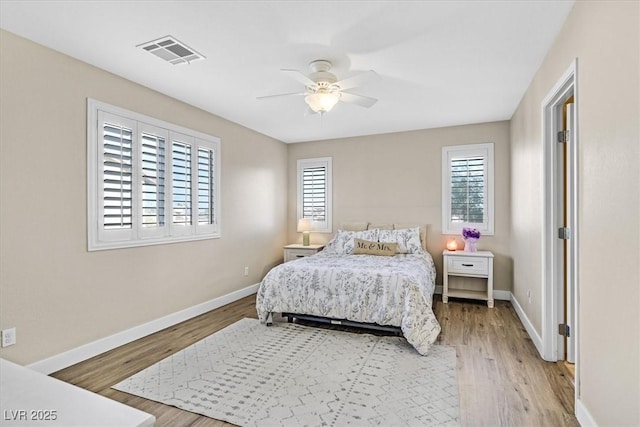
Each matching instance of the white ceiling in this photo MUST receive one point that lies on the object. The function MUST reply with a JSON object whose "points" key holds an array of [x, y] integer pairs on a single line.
{"points": [[440, 63]]}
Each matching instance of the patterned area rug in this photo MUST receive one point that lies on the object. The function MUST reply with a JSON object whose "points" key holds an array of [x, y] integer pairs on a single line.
{"points": [[292, 375]]}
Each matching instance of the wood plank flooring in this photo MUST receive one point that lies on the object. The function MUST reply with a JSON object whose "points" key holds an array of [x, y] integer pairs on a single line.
{"points": [[502, 380]]}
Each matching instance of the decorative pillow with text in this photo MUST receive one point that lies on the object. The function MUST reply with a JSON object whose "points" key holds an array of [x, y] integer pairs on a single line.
{"points": [[373, 248], [342, 243]]}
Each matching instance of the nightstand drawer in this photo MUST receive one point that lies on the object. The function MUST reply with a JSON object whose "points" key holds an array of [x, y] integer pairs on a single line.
{"points": [[460, 264], [296, 251]]}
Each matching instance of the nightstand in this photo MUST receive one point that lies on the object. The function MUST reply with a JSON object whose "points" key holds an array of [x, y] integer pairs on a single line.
{"points": [[297, 250], [468, 264]]}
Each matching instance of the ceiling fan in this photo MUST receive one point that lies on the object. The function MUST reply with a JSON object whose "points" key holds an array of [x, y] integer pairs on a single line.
{"points": [[323, 90]]}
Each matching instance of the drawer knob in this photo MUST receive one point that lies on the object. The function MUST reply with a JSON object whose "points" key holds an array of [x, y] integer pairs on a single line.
{"points": [[467, 265]]}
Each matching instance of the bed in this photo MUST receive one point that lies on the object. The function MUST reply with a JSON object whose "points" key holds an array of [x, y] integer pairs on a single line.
{"points": [[351, 281]]}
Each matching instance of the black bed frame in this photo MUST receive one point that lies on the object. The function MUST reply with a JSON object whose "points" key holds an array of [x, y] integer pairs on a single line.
{"points": [[344, 322]]}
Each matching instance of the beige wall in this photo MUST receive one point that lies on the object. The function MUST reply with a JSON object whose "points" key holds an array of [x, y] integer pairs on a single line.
{"points": [[397, 178], [604, 36], [58, 295]]}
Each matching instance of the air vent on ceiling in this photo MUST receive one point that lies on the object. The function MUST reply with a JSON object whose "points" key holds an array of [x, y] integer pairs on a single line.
{"points": [[171, 50]]}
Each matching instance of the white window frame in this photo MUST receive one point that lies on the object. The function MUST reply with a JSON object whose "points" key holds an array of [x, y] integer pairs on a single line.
{"points": [[449, 153], [101, 239], [317, 226]]}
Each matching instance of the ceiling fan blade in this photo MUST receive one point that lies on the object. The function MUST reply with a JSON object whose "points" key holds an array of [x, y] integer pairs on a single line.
{"points": [[357, 80], [281, 94], [299, 77], [352, 98]]}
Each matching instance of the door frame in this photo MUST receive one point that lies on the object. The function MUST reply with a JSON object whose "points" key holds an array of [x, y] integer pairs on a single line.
{"points": [[552, 287]]}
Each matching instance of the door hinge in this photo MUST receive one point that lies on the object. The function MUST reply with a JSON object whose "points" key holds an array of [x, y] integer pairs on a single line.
{"points": [[564, 330], [563, 136], [564, 233]]}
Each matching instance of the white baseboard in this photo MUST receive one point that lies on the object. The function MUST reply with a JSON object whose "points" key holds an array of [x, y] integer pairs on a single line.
{"points": [[497, 294], [533, 334], [584, 417], [87, 351]]}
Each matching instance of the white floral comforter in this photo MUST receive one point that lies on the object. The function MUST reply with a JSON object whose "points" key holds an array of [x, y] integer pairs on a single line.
{"points": [[395, 290]]}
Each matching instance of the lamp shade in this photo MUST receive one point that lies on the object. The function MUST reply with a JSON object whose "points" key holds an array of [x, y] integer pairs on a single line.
{"points": [[321, 102], [304, 224]]}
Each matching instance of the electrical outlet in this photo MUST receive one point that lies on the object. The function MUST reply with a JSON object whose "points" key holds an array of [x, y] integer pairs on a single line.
{"points": [[246, 271], [8, 337]]}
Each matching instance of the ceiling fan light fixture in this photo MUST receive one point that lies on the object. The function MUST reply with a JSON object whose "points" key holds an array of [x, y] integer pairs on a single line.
{"points": [[323, 91], [322, 102]]}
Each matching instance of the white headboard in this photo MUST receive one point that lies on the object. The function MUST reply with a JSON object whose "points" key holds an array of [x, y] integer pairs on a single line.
{"points": [[363, 225]]}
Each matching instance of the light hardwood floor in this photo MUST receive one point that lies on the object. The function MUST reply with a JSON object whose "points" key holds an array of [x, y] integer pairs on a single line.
{"points": [[502, 380]]}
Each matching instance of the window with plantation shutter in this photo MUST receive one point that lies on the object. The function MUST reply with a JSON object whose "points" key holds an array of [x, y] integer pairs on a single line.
{"points": [[149, 182], [314, 192], [467, 193]]}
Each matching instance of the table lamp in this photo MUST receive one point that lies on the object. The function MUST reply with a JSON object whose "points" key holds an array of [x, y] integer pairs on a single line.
{"points": [[305, 226]]}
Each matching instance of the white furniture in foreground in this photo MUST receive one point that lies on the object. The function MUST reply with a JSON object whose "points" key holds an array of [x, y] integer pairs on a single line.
{"points": [[29, 398], [297, 250], [468, 264]]}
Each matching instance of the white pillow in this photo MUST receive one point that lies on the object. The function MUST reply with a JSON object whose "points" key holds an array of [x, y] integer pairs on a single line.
{"points": [[343, 242], [407, 239]]}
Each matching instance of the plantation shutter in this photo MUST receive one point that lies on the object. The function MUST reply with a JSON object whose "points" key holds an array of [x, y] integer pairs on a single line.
{"points": [[117, 176], [181, 183], [205, 186], [467, 190], [153, 180], [314, 200]]}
